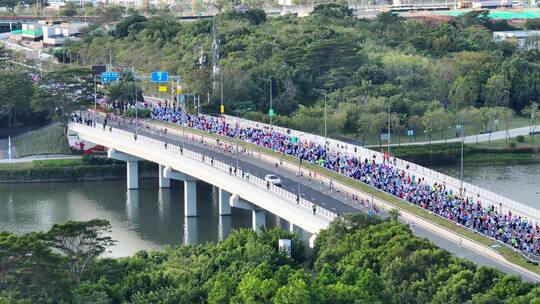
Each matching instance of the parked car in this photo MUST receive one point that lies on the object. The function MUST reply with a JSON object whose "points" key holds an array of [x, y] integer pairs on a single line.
{"points": [[273, 179]]}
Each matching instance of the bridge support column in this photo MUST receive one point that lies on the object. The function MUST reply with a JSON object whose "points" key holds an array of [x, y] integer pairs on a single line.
{"points": [[132, 174], [190, 198], [224, 227], [312, 239], [132, 166], [164, 182], [291, 227], [258, 219], [190, 231], [190, 190], [224, 202]]}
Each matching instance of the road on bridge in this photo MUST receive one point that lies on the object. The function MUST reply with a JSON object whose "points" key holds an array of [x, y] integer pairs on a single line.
{"points": [[321, 196]]}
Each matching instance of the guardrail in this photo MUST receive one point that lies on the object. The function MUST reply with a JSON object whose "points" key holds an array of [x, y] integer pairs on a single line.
{"points": [[433, 176], [384, 205], [206, 161]]}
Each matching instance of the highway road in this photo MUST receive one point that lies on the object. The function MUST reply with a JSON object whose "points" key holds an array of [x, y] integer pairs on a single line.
{"points": [[321, 196]]}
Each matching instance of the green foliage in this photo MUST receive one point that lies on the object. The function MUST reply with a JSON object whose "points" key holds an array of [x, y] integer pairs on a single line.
{"points": [[357, 259], [520, 138], [141, 113], [47, 140], [16, 91], [390, 59]]}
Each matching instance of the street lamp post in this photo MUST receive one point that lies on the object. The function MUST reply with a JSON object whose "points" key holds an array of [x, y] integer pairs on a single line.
{"points": [[299, 169], [95, 93], [237, 137], [270, 112], [389, 131], [325, 129], [461, 169]]}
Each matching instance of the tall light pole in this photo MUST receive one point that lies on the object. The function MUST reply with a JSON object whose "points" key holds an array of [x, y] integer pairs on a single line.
{"points": [[325, 128], [299, 168], [95, 93], [462, 144], [271, 110], [388, 130], [221, 86], [237, 138]]}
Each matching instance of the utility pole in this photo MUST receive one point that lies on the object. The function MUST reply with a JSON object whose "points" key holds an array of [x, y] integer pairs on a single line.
{"points": [[95, 93], [271, 109], [388, 130], [461, 173], [325, 125], [221, 75]]}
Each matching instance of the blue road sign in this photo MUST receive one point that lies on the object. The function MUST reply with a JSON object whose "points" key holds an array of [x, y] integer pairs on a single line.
{"points": [[109, 76], [160, 76]]}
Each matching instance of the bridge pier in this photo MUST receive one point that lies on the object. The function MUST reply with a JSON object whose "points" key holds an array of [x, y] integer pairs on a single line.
{"points": [[258, 217], [291, 227], [132, 175], [190, 198], [132, 164], [224, 227], [190, 190], [190, 231], [164, 182], [312, 239], [224, 202]]}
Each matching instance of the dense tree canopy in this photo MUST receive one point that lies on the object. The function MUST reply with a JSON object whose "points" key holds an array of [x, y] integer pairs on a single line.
{"points": [[390, 60], [358, 259]]}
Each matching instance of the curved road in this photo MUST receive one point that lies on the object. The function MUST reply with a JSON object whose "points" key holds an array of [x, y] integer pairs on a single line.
{"points": [[314, 192]]}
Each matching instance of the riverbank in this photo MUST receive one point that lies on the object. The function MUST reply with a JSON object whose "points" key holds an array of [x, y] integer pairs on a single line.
{"points": [[474, 155], [86, 168]]}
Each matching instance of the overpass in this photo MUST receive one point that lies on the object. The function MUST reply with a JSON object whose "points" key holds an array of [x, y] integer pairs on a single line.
{"points": [[195, 156]]}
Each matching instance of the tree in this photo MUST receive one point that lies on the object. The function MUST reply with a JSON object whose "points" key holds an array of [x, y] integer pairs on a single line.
{"points": [[463, 92], [70, 9], [29, 269], [506, 114], [61, 92], [80, 243], [16, 91], [496, 92], [533, 111], [437, 120], [394, 214]]}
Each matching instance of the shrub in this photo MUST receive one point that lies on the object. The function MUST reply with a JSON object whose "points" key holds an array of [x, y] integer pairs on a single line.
{"points": [[520, 138], [141, 113], [513, 144]]}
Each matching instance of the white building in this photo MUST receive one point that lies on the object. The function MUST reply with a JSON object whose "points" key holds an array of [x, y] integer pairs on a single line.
{"points": [[527, 40], [55, 35]]}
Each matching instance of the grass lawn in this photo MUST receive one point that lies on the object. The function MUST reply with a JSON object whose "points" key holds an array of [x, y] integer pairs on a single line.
{"points": [[517, 121], [394, 201], [529, 142], [49, 163], [47, 140]]}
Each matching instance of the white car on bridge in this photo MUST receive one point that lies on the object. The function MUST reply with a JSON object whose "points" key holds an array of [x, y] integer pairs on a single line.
{"points": [[273, 179]]}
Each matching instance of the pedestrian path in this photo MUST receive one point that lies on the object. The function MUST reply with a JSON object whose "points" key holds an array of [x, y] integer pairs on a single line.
{"points": [[477, 138]]}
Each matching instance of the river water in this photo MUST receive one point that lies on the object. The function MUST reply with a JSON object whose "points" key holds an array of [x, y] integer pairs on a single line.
{"points": [[518, 182], [150, 218]]}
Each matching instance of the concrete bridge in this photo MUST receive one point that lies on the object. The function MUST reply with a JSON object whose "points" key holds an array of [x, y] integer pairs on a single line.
{"points": [[178, 163], [192, 156]]}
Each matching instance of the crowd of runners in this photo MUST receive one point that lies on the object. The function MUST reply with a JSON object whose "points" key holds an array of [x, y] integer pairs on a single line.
{"points": [[465, 209]]}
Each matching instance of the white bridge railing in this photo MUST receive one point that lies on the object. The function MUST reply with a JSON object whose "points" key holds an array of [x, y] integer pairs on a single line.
{"points": [[205, 162], [431, 176]]}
